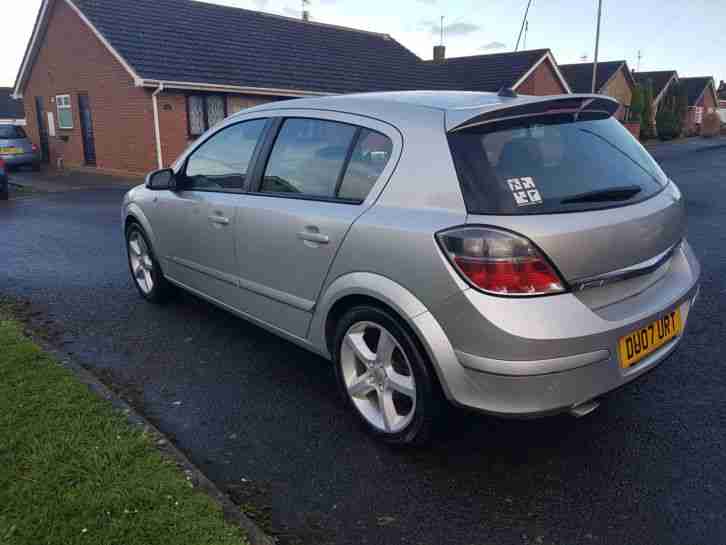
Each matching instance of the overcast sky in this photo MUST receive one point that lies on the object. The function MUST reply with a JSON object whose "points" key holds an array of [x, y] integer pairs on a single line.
{"points": [[686, 36]]}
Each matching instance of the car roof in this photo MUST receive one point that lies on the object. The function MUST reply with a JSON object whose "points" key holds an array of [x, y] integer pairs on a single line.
{"points": [[401, 107]]}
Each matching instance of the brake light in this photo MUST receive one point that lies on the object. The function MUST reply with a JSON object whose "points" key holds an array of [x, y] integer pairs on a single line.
{"points": [[33, 147], [499, 262]]}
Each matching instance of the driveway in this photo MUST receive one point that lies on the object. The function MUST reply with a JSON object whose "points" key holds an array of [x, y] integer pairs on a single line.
{"points": [[262, 417]]}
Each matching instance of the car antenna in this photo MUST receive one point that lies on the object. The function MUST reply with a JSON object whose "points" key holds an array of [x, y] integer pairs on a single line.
{"points": [[507, 92]]}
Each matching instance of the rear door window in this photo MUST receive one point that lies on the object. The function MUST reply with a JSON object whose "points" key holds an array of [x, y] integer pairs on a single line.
{"points": [[308, 157], [546, 164]]}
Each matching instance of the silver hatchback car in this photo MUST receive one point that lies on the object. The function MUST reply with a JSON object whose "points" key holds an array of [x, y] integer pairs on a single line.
{"points": [[520, 256]]}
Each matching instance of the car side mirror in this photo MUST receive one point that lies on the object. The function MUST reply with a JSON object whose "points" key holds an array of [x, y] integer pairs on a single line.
{"points": [[161, 179]]}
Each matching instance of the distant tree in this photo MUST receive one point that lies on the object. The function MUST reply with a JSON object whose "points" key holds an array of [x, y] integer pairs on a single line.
{"points": [[682, 104], [646, 118], [667, 123], [636, 105]]}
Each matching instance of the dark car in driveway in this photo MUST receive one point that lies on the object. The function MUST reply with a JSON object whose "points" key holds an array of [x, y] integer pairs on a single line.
{"points": [[16, 149]]}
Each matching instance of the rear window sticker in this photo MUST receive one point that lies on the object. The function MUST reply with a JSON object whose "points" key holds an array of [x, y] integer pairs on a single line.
{"points": [[524, 191]]}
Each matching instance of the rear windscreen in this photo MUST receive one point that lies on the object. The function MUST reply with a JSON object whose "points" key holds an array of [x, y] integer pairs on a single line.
{"points": [[547, 164], [11, 131]]}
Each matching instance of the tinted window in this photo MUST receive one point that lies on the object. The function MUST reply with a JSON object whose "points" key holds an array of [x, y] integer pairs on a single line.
{"points": [[549, 163], [368, 160], [221, 162], [308, 157], [12, 131]]}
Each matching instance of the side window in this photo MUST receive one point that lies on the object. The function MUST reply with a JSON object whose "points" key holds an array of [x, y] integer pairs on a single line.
{"points": [[370, 157], [308, 157], [221, 162]]}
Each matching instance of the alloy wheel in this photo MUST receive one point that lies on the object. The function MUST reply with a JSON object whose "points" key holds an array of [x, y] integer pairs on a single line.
{"points": [[142, 265], [378, 377]]}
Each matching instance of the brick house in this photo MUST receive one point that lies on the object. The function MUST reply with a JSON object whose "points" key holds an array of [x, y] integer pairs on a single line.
{"points": [[702, 100], [661, 82], [533, 72], [125, 85], [12, 111], [613, 79]]}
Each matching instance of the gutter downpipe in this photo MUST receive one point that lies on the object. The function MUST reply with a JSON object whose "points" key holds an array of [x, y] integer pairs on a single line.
{"points": [[157, 130]]}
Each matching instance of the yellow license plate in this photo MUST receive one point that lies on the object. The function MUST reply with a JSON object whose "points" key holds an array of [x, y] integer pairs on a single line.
{"points": [[10, 151], [636, 345]]}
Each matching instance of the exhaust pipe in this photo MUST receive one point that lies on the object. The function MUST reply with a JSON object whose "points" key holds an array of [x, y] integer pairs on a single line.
{"points": [[583, 409]]}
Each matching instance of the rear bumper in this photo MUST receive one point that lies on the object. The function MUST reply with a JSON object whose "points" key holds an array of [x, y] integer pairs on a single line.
{"points": [[551, 393], [20, 159], [541, 357]]}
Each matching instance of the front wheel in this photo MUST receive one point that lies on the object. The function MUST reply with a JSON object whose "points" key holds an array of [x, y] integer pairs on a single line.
{"points": [[384, 377], [145, 269]]}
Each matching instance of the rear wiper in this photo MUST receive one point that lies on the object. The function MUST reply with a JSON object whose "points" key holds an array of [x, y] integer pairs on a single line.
{"points": [[621, 193]]}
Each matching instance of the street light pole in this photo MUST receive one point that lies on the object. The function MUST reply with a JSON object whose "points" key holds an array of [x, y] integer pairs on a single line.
{"points": [[597, 45]]}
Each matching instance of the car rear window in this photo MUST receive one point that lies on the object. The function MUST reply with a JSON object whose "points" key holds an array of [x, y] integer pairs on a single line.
{"points": [[552, 163], [11, 131]]}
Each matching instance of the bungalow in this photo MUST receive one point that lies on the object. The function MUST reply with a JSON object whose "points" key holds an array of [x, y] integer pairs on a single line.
{"points": [[12, 112], [613, 79], [702, 99], [721, 93], [660, 82], [125, 85]]}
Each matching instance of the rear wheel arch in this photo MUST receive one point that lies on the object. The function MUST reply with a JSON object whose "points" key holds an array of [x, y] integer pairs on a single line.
{"points": [[357, 289]]}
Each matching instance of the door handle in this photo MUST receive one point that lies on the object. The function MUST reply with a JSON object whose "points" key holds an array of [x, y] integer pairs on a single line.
{"points": [[221, 220], [318, 238]]}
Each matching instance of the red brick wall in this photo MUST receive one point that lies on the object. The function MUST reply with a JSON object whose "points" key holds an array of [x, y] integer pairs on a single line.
{"points": [[72, 59], [542, 81], [173, 125]]}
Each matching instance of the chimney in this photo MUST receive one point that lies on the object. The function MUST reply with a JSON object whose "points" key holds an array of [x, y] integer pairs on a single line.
{"points": [[439, 53]]}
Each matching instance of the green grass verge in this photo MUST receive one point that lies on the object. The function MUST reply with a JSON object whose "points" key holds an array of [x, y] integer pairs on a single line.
{"points": [[74, 471]]}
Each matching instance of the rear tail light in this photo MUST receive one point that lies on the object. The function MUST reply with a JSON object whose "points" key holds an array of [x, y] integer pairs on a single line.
{"points": [[2, 164], [500, 262], [33, 147]]}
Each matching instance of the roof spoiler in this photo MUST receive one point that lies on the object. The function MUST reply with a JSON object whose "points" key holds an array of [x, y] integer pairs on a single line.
{"points": [[576, 105]]}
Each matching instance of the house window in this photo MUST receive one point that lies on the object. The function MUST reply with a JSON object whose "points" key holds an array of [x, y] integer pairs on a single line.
{"points": [[205, 111], [65, 113]]}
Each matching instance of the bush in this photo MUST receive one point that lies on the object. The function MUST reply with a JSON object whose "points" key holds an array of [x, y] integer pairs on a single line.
{"points": [[711, 125], [667, 125]]}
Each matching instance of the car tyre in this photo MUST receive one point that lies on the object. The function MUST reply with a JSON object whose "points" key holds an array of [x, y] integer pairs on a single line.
{"points": [[145, 269], [372, 378]]}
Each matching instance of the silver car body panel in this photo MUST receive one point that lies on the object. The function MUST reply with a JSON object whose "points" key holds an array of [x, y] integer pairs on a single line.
{"points": [[500, 355]]}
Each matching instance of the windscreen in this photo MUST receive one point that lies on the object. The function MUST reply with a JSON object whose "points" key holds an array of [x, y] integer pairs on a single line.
{"points": [[11, 131], [552, 163]]}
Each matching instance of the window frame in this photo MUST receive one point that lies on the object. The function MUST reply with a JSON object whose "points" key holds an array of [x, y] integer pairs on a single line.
{"points": [[68, 107], [244, 188], [204, 95], [274, 117], [271, 139]]}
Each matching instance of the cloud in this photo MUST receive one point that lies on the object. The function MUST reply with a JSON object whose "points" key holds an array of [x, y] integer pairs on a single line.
{"points": [[428, 2], [452, 30], [492, 45], [290, 12], [261, 4]]}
